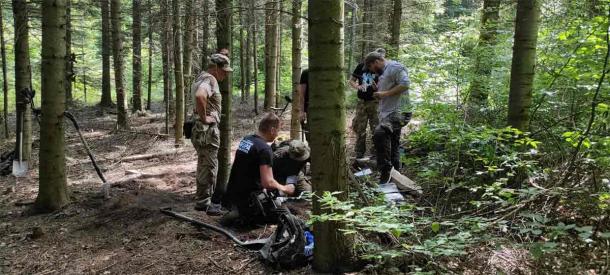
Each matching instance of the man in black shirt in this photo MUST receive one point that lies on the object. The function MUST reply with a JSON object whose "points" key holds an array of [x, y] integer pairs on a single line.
{"points": [[365, 82], [252, 172]]}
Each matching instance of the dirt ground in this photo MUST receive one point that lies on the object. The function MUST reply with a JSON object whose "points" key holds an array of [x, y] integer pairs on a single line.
{"points": [[125, 234]]}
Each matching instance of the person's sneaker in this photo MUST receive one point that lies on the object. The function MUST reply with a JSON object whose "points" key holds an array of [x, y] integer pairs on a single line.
{"points": [[214, 209]]}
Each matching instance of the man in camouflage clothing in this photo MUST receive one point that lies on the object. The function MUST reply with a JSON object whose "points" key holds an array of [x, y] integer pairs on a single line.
{"points": [[365, 82], [206, 136], [289, 160]]}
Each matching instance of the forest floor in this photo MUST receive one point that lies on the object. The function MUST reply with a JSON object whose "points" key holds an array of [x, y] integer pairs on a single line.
{"points": [[125, 234]]}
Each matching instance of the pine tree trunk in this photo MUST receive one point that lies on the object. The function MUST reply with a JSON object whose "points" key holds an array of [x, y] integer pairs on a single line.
{"points": [[248, 22], [53, 190], [189, 26], [524, 63], [205, 36], [23, 80], [166, 64], [4, 76], [278, 57], [367, 27], [69, 58], [242, 56], [137, 56], [327, 117], [117, 56], [223, 40], [150, 55], [297, 48], [106, 100], [394, 49], [479, 89], [271, 40], [254, 56], [178, 76]]}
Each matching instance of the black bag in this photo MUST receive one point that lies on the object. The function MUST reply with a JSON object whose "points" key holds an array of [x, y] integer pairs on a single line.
{"points": [[286, 247], [187, 128]]}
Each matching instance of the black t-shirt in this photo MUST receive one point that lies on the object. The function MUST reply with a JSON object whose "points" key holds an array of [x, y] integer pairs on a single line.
{"points": [[367, 78], [305, 80], [251, 153]]}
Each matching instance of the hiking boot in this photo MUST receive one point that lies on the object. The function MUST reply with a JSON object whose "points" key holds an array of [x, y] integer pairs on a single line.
{"points": [[214, 209], [202, 205], [384, 177]]}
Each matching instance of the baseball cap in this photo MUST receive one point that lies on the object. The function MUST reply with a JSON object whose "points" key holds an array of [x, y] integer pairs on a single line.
{"points": [[381, 51], [222, 61]]}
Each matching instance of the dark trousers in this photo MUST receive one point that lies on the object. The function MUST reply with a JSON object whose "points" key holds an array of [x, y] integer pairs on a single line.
{"points": [[387, 143]]}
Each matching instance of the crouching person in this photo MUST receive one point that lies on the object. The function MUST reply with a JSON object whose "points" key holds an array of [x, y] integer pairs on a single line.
{"points": [[252, 175], [289, 160]]}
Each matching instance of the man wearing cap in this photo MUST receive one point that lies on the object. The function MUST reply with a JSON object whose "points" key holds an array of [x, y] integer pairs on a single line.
{"points": [[289, 159], [365, 82], [393, 95], [206, 136]]}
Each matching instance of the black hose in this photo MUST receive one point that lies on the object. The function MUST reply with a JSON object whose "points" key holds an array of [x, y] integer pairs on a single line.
{"points": [[71, 117]]}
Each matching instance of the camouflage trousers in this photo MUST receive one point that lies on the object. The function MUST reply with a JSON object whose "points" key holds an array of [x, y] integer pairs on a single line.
{"points": [[206, 140], [366, 114]]}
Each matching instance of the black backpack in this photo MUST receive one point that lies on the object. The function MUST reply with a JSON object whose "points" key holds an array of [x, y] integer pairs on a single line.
{"points": [[286, 247]]}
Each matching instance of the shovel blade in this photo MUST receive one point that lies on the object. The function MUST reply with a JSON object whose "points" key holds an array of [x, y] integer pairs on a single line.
{"points": [[20, 168]]}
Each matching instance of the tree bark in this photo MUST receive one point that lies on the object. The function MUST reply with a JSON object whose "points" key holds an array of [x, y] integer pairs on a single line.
{"points": [[150, 55], [524, 63], [327, 117], [137, 56], [189, 28], [367, 27], [394, 49], [248, 23], [23, 80], [106, 100], [254, 56], [178, 76], [70, 59], [297, 48], [165, 41], [205, 36], [53, 190], [117, 52], [479, 89], [242, 55], [4, 76], [278, 60], [271, 30], [223, 40]]}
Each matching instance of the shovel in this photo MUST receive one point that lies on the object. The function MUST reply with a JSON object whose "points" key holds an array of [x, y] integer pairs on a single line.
{"points": [[20, 167]]}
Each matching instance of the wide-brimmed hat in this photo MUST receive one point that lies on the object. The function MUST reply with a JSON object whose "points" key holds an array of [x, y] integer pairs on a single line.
{"points": [[222, 61], [298, 150]]}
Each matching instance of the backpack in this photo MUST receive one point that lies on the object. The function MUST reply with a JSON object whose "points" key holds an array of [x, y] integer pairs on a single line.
{"points": [[286, 247]]}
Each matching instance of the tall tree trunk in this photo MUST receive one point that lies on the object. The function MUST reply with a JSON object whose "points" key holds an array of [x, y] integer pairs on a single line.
{"points": [[52, 188], [117, 56], [254, 55], [367, 27], [166, 64], [4, 76], [394, 49], [223, 40], [278, 60], [271, 30], [242, 55], [248, 21], [136, 99], [524, 63], [150, 55], [205, 36], [178, 76], [23, 80], [479, 89], [106, 100], [70, 74], [189, 28], [297, 48], [327, 117]]}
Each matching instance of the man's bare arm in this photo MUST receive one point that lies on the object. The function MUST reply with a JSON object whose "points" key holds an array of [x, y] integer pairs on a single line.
{"points": [[268, 182]]}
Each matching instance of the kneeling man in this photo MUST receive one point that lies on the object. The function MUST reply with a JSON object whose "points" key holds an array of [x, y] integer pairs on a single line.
{"points": [[252, 174]]}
